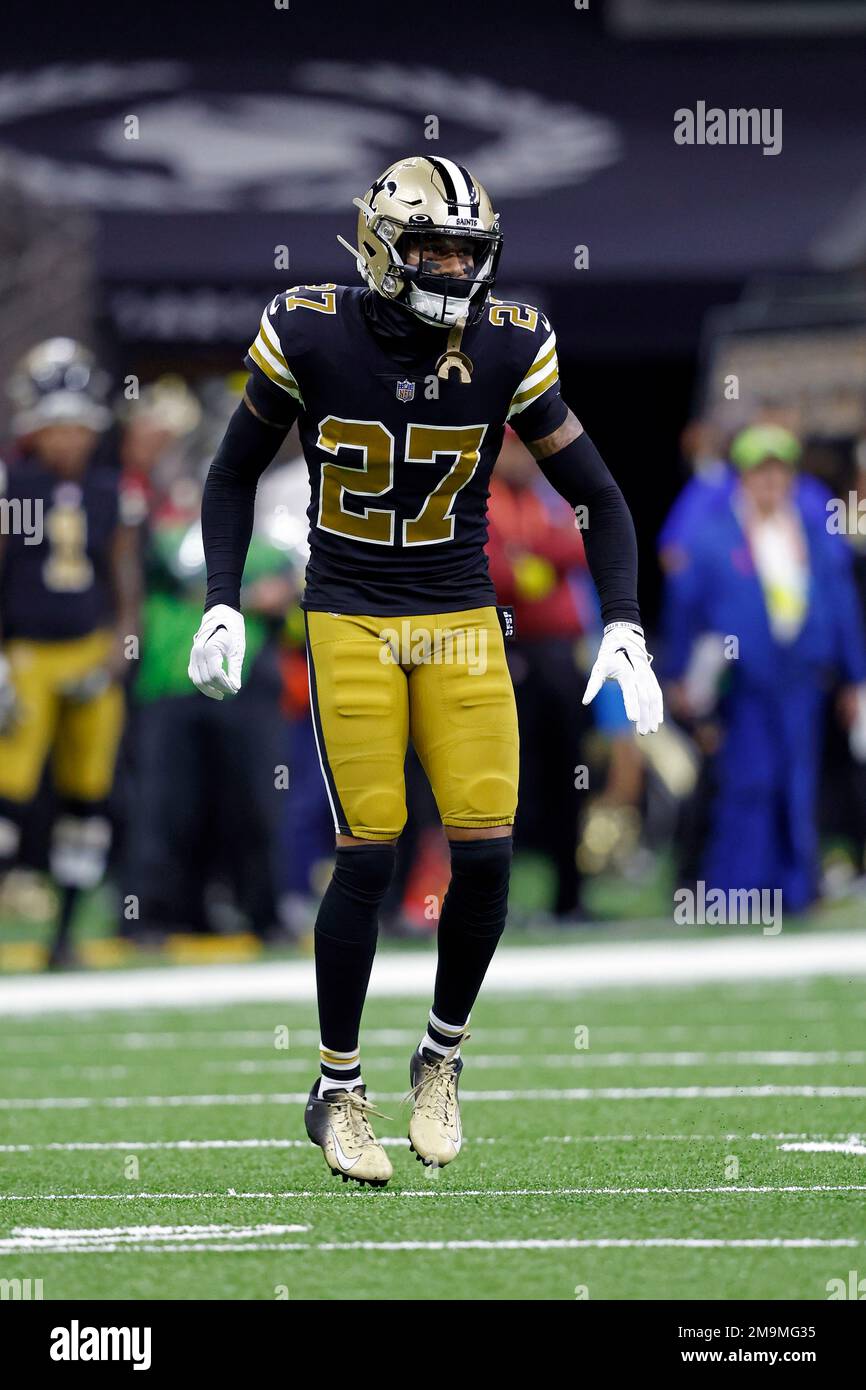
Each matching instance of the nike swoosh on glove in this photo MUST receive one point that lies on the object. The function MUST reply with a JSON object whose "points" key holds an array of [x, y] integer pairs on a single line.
{"points": [[220, 638], [623, 657]]}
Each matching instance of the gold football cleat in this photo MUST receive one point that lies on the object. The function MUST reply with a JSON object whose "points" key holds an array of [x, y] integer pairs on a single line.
{"points": [[435, 1133], [339, 1122]]}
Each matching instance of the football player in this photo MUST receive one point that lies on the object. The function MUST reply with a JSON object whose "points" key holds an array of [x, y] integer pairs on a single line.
{"points": [[68, 598], [401, 390]]}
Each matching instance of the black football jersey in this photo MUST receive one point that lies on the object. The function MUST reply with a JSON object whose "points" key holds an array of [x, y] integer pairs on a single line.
{"points": [[400, 459], [55, 580]]}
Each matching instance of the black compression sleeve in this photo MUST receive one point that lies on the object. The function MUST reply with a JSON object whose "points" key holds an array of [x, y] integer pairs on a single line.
{"points": [[229, 501], [581, 476]]}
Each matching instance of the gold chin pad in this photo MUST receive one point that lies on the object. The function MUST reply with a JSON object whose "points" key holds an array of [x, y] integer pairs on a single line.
{"points": [[453, 359]]}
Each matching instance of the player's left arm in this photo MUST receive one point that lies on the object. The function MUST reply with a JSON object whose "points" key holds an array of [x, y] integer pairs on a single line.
{"points": [[572, 464]]}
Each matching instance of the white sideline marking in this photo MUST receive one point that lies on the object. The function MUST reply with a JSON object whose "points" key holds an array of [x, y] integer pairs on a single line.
{"points": [[522, 970], [450, 1193], [853, 1145], [602, 1243], [812, 1143], [568, 1093]]}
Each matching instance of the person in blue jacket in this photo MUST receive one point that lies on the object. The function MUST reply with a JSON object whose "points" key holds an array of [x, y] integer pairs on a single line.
{"points": [[767, 586]]}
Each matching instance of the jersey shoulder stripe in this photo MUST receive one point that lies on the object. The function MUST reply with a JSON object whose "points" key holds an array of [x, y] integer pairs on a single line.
{"points": [[542, 375], [290, 326], [267, 354]]}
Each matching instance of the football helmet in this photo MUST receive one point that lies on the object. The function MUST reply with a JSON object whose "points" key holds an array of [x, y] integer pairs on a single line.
{"points": [[58, 382], [428, 239]]}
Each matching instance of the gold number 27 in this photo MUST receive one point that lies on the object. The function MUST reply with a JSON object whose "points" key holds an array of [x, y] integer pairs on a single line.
{"points": [[434, 523]]}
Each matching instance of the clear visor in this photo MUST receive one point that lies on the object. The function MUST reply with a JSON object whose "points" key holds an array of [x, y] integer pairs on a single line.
{"points": [[447, 261]]}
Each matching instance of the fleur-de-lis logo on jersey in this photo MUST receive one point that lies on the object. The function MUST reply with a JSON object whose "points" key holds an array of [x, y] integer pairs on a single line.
{"points": [[405, 391]]}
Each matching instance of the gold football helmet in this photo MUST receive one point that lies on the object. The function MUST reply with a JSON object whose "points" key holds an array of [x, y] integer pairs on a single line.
{"points": [[429, 239]]}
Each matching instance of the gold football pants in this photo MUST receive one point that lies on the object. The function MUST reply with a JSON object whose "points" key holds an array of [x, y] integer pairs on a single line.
{"points": [[81, 737], [440, 679]]}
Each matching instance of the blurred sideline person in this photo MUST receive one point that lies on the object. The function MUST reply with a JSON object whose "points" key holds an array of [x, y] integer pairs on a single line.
{"points": [[69, 591], [761, 611], [843, 790], [704, 446], [538, 564], [401, 389], [304, 844], [186, 845]]}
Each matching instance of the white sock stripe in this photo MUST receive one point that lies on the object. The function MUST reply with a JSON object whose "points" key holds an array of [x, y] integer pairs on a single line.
{"points": [[451, 1030], [330, 1083]]}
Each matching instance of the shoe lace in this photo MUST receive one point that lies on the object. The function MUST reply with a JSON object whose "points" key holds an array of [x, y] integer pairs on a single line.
{"points": [[436, 1090], [354, 1111]]}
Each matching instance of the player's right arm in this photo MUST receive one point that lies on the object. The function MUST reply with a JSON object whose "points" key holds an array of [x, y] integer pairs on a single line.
{"points": [[254, 434]]}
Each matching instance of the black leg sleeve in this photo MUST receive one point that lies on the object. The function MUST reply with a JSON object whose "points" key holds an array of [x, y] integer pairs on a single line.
{"points": [[470, 924], [345, 939]]}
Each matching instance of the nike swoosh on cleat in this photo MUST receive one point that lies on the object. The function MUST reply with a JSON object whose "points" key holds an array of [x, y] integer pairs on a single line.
{"points": [[347, 1163]]}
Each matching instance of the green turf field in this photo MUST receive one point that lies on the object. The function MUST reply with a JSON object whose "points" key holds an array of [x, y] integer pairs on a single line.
{"points": [[125, 1172]]}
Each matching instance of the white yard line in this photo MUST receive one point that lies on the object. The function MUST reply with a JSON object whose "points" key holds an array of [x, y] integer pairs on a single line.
{"points": [[433, 1190], [584, 1059], [216, 1039], [581, 1093], [560, 970], [854, 1145], [390, 1246], [841, 1143], [62, 1239], [809, 1143], [124, 1146]]}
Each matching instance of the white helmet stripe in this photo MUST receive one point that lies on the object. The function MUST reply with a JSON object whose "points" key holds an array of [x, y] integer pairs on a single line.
{"points": [[464, 192]]}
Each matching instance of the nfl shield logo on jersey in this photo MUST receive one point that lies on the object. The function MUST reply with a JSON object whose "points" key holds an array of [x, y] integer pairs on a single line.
{"points": [[405, 391]]}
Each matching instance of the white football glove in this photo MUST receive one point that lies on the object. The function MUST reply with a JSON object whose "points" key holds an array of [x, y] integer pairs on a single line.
{"points": [[623, 657], [219, 639], [857, 731], [9, 711]]}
